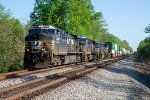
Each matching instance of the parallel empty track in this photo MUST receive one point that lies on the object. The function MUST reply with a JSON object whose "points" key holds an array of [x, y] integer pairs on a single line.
{"points": [[21, 73]]}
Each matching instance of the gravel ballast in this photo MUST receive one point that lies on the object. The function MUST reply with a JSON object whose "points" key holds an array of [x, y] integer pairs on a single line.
{"points": [[121, 81]]}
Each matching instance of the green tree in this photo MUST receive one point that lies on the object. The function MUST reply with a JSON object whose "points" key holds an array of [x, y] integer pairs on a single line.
{"points": [[11, 42], [143, 49], [49, 12], [75, 16], [108, 37], [147, 29]]}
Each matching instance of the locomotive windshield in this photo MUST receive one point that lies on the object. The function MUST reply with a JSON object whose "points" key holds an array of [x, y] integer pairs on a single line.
{"points": [[83, 39], [97, 45], [46, 31]]}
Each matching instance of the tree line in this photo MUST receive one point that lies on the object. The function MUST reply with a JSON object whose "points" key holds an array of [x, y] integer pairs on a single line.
{"points": [[11, 42], [143, 50], [75, 16]]}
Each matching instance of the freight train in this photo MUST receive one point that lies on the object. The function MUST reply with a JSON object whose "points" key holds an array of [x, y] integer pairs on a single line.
{"points": [[46, 45]]}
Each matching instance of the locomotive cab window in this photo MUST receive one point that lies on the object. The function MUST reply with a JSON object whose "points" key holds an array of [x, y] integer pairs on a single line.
{"points": [[43, 31], [58, 32], [51, 31], [34, 31]]}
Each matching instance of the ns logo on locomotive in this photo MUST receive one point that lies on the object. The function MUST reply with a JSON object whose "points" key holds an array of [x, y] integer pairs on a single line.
{"points": [[46, 45]]}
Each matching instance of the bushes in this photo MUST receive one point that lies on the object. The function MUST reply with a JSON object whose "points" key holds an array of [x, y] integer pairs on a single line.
{"points": [[11, 42], [143, 50]]}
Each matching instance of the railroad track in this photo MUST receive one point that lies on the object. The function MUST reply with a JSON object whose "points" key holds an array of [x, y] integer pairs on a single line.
{"points": [[21, 73], [11, 74], [28, 89]]}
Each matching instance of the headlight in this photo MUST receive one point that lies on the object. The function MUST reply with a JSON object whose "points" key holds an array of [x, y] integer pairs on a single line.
{"points": [[40, 42], [36, 43]]}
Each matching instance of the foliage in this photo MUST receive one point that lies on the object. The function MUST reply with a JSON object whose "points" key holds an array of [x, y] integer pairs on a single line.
{"points": [[107, 37], [75, 16], [11, 42], [147, 29], [143, 49]]}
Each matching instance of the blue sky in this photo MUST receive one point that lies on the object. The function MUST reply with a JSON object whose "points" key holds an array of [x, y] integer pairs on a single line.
{"points": [[126, 19]]}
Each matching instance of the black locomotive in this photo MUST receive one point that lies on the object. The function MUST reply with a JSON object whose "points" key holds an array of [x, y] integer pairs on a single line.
{"points": [[50, 46]]}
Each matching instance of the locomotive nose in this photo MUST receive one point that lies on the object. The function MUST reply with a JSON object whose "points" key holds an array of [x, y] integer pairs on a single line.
{"points": [[33, 46]]}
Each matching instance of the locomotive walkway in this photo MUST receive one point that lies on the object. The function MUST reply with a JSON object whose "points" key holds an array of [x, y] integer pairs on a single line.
{"points": [[124, 80]]}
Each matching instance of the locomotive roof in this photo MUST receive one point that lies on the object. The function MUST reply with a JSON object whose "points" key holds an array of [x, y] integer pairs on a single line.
{"points": [[81, 37], [44, 26]]}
